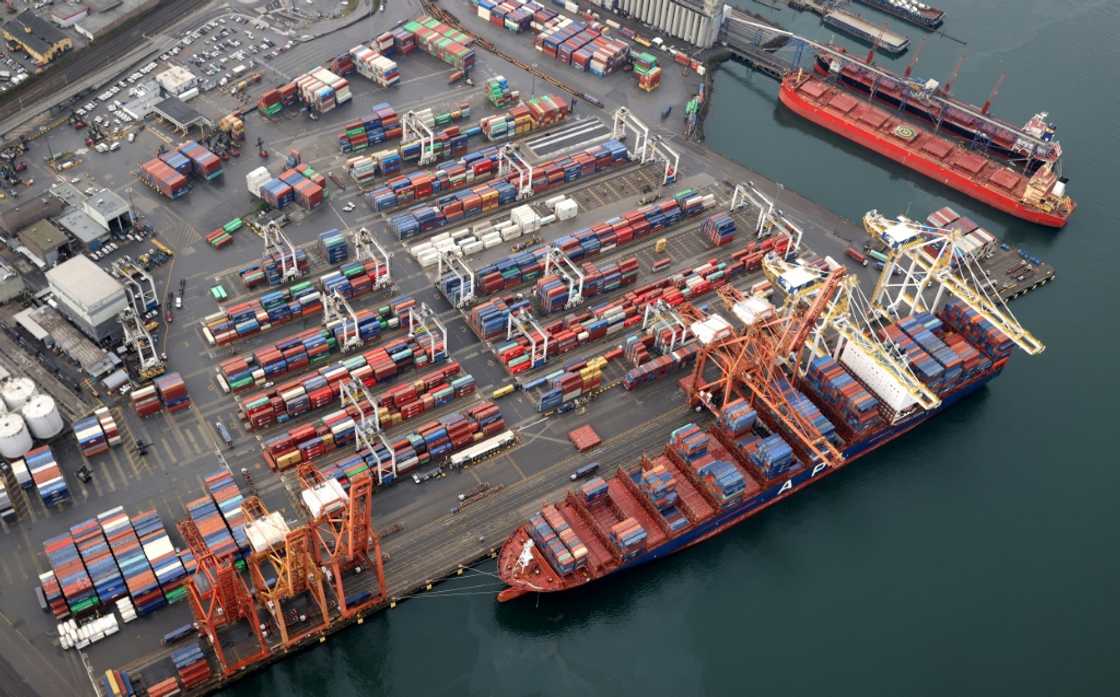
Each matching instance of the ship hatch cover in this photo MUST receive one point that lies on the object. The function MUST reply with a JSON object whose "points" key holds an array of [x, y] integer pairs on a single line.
{"points": [[937, 147], [1005, 178], [842, 102], [969, 161], [814, 88], [872, 117]]}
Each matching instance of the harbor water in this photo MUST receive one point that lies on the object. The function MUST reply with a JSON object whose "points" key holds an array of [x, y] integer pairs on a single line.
{"points": [[977, 555]]}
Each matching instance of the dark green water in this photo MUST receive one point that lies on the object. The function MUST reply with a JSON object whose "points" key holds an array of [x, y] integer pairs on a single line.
{"points": [[977, 556]]}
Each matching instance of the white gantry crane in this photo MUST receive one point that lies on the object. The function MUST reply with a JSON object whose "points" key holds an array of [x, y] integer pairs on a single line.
{"points": [[642, 146], [338, 312], [846, 330], [525, 324], [510, 160], [278, 246], [423, 320], [367, 426], [659, 316], [137, 336], [452, 262], [925, 265], [414, 128], [770, 219], [138, 286], [557, 262], [367, 248]]}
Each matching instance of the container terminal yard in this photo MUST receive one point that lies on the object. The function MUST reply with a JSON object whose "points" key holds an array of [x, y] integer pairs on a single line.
{"points": [[264, 477]]}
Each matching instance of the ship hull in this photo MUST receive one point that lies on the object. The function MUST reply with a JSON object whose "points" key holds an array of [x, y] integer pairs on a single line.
{"points": [[930, 23], [900, 154], [762, 500]]}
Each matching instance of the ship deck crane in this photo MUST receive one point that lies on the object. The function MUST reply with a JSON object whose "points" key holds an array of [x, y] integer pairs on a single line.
{"points": [[932, 264], [346, 539], [278, 246], [846, 331], [284, 568], [137, 335], [219, 598]]}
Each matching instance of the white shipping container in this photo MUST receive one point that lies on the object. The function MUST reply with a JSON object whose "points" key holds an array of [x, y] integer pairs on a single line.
{"points": [[473, 248]]}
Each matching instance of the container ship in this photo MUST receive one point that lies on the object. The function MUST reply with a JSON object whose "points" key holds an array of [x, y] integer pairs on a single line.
{"points": [[930, 100], [916, 13], [1038, 197], [708, 479]]}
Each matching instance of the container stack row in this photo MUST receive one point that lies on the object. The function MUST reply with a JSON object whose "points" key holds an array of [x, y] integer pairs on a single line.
{"points": [[145, 401], [140, 581], [719, 229], [158, 176], [223, 236], [524, 118], [172, 392], [203, 163], [97, 433], [336, 429], [473, 167], [161, 555], [552, 292], [380, 125], [227, 497], [568, 386], [71, 576], [427, 445], [648, 371], [364, 169], [842, 394], [307, 348], [492, 195], [321, 90], [300, 184], [245, 319], [321, 388], [47, 476], [628, 536], [442, 41], [191, 666], [581, 46], [108, 583]]}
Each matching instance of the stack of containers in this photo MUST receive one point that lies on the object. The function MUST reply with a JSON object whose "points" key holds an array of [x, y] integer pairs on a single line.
{"points": [[52, 590], [177, 161], [308, 194], [385, 44], [163, 179], [307, 348], [145, 401], [271, 309], [143, 586], [363, 170], [659, 486], [921, 328], [647, 70], [719, 476], [272, 267], [737, 417], [342, 64], [97, 433], [161, 555], [550, 545], [47, 475], [334, 246], [648, 371], [498, 92], [212, 526], [385, 71], [191, 666], [629, 537], [442, 41], [846, 398], [568, 386], [924, 366], [719, 228], [227, 497], [168, 687], [322, 90], [269, 104], [594, 489], [772, 456], [321, 388], [380, 125], [276, 193], [172, 392], [810, 412], [449, 142], [204, 164], [71, 575], [362, 58], [489, 319], [566, 535], [220, 237], [94, 549], [538, 112]]}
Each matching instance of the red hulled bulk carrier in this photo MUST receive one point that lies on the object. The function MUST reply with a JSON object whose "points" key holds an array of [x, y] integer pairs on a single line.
{"points": [[1039, 197]]}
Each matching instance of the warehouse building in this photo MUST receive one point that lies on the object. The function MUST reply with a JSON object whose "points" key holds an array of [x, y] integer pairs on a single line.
{"points": [[11, 283], [88, 296], [15, 219], [695, 21], [45, 242], [37, 37], [106, 15], [79, 225], [176, 80], [68, 15], [109, 210]]}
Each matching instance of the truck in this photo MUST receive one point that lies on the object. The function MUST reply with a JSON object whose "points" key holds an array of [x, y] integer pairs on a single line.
{"points": [[585, 471], [224, 433]]}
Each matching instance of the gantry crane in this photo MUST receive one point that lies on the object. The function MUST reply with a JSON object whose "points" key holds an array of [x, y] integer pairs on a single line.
{"points": [[414, 128], [510, 160], [367, 248], [138, 286], [932, 263], [346, 541], [847, 331], [644, 147], [337, 312], [283, 567], [219, 598], [278, 246], [137, 336]]}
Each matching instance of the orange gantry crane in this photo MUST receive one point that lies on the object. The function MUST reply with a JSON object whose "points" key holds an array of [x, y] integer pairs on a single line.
{"points": [[753, 359], [345, 538], [219, 598], [283, 567]]}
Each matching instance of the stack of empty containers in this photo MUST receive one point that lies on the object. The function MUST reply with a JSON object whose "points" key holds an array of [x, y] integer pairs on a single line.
{"points": [[719, 228], [161, 555], [94, 549], [141, 582], [629, 537], [47, 476], [840, 391], [164, 179], [97, 433], [228, 498], [334, 246], [71, 575], [191, 666], [442, 41], [172, 392], [204, 164], [145, 401]]}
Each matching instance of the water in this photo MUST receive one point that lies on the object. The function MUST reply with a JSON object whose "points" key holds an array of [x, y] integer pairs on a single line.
{"points": [[977, 556]]}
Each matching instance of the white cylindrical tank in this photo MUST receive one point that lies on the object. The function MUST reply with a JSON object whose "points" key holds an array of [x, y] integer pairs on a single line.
{"points": [[15, 439], [17, 392], [42, 417]]}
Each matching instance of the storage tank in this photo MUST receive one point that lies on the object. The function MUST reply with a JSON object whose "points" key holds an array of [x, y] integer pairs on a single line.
{"points": [[17, 392], [15, 439], [43, 419]]}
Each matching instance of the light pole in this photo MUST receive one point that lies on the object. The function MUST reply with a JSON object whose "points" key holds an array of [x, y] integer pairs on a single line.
{"points": [[533, 91]]}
